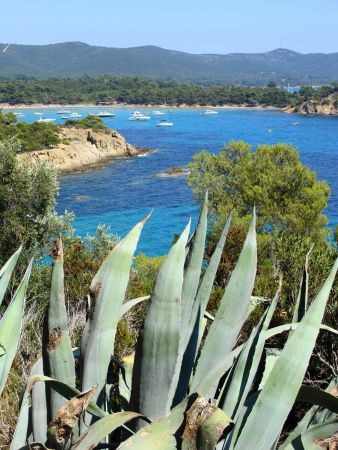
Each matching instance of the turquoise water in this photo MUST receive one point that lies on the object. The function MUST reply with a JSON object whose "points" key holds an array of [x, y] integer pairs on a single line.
{"points": [[125, 190]]}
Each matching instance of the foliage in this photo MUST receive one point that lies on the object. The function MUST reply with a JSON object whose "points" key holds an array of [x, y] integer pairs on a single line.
{"points": [[27, 202], [33, 136], [287, 194], [165, 359], [93, 122], [133, 90]]}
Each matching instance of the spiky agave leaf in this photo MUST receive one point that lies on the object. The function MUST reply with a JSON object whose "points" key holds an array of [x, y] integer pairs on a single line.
{"points": [[10, 327], [158, 346], [232, 311], [58, 348], [6, 272], [108, 291], [280, 390]]}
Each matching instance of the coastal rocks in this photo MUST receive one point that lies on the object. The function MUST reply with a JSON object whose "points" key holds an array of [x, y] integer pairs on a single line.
{"points": [[328, 108], [82, 149], [174, 172]]}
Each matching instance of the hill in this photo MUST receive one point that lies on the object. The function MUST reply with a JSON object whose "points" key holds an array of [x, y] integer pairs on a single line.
{"points": [[75, 58]]}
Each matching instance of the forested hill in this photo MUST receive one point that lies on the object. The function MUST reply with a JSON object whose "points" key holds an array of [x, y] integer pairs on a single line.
{"points": [[76, 58]]}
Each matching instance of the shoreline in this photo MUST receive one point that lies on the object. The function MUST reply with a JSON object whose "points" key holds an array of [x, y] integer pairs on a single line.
{"points": [[286, 109], [7, 106]]}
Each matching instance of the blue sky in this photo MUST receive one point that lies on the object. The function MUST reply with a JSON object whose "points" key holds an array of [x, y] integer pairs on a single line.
{"points": [[209, 26]]}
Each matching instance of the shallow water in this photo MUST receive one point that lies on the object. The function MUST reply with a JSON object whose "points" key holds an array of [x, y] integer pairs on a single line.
{"points": [[125, 190]]}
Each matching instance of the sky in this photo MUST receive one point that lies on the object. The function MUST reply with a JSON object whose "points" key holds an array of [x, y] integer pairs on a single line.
{"points": [[208, 26]]}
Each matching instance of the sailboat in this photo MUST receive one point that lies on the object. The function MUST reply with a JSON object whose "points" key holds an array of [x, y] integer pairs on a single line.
{"points": [[165, 122]]}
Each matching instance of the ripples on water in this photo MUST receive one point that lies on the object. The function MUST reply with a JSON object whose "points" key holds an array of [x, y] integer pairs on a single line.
{"points": [[123, 192]]}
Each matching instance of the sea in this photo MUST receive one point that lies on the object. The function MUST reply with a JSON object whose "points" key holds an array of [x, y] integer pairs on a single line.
{"points": [[124, 191]]}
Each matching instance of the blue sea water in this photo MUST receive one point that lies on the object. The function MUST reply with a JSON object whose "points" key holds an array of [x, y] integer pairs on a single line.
{"points": [[125, 190]]}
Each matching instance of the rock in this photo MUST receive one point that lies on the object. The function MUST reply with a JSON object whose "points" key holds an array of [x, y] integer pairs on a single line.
{"points": [[175, 172], [327, 107], [86, 149]]}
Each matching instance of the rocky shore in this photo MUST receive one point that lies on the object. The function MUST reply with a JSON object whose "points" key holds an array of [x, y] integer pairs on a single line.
{"points": [[81, 150], [329, 107]]}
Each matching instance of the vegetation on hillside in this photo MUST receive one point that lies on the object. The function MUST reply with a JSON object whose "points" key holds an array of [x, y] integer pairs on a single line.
{"points": [[90, 122], [72, 59], [133, 90], [35, 136]]}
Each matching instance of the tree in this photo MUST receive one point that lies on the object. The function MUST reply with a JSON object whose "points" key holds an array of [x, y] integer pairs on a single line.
{"points": [[288, 196], [27, 202]]}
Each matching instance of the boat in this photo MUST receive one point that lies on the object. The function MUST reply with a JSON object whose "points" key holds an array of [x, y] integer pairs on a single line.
{"points": [[105, 114], [210, 112], [63, 111], [38, 113], [74, 114], [158, 113], [139, 116], [47, 120], [65, 117], [164, 123]]}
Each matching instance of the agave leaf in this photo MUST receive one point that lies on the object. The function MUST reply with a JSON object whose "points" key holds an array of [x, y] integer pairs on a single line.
{"points": [[208, 279], [26, 410], [318, 397], [215, 427], [232, 310], [153, 383], [189, 330], [280, 391], [68, 392], [239, 381], [10, 327], [159, 434], [193, 337], [58, 347], [193, 270], [39, 405], [60, 429], [315, 415], [22, 424], [271, 355], [102, 428], [205, 423], [131, 303], [301, 303], [108, 290], [6, 272], [126, 378], [315, 438], [292, 326]]}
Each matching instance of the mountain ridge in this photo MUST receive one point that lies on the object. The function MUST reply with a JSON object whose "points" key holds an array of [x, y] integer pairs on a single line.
{"points": [[77, 58]]}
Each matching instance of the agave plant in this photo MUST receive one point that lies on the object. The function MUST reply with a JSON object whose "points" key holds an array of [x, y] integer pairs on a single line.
{"points": [[178, 390]]}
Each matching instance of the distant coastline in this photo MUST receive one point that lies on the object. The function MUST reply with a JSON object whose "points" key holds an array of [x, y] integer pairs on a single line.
{"points": [[307, 108], [7, 106]]}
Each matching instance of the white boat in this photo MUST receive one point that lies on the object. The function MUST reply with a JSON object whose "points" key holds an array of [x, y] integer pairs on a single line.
{"points": [[63, 111], [38, 113], [210, 112], [139, 116], [164, 123], [18, 113], [105, 114], [158, 113], [47, 120], [74, 114], [65, 117]]}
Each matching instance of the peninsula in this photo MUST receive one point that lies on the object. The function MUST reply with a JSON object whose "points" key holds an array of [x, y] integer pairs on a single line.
{"points": [[82, 149]]}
